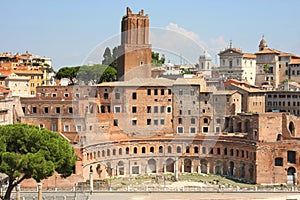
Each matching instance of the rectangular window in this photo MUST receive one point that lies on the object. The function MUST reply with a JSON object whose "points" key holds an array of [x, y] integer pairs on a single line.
{"points": [[66, 128], [77, 95], [148, 109], [134, 96], [70, 110], [78, 128], [180, 120], [162, 109], [156, 122], [105, 96], [148, 122], [169, 91], [33, 109], [291, 157], [57, 109], [53, 94], [117, 109], [41, 125], [155, 109], [218, 120], [155, 91], [162, 92], [66, 94], [169, 109], [117, 95], [134, 122], [205, 129], [179, 129], [192, 130], [46, 109], [217, 129], [149, 91], [133, 109], [189, 112], [116, 122], [162, 121]]}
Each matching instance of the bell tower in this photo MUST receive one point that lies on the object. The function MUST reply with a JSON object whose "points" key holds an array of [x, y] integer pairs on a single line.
{"points": [[135, 51]]}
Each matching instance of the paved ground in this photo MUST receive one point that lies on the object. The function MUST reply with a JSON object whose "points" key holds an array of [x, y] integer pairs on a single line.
{"points": [[160, 196], [193, 196]]}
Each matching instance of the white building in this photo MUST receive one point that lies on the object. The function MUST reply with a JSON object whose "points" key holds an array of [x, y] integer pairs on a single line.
{"points": [[205, 64], [235, 64]]}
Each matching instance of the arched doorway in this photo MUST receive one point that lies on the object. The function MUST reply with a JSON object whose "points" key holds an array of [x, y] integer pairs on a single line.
{"points": [[231, 168], [121, 170], [187, 165], [242, 170], [204, 165], [218, 167], [170, 165], [291, 176], [151, 166], [292, 128]]}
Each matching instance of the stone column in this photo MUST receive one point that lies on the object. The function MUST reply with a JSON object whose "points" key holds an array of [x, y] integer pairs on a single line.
{"points": [[18, 192], [182, 168], [91, 182], [295, 178], [199, 169], [165, 168], [176, 168], [192, 167], [40, 191], [208, 168]]}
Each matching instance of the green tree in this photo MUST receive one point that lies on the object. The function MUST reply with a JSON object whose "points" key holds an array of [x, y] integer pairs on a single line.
{"points": [[156, 60], [115, 55], [266, 68], [27, 151], [96, 74], [68, 72], [107, 57]]}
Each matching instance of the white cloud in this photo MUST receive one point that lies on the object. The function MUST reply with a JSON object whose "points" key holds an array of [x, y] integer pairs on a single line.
{"points": [[176, 42]]}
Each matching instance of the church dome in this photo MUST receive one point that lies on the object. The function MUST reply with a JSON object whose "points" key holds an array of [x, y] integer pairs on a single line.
{"points": [[262, 44]]}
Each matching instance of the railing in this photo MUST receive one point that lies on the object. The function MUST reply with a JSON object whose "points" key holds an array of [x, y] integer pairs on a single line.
{"points": [[84, 193]]}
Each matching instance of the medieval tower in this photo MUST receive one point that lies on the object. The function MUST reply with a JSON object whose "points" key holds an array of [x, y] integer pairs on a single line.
{"points": [[134, 59]]}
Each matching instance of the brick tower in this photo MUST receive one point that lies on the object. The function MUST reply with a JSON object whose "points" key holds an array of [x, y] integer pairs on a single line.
{"points": [[134, 59]]}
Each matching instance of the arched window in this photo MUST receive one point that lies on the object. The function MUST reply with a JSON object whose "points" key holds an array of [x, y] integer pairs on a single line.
{"points": [[160, 149], [151, 149], [187, 149], [143, 149], [169, 149], [135, 150], [103, 153], [120, 151], [196, 149], [178, 149], [108, 152], [205, 120], [114, 152], [127, 150]]}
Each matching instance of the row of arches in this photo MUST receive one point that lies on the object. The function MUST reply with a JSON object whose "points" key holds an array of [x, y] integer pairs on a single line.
{"points": [[235, 169], [187, 150]]}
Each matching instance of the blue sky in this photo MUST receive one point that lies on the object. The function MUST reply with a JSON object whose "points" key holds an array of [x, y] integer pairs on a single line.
{"points": [[69, 30]]}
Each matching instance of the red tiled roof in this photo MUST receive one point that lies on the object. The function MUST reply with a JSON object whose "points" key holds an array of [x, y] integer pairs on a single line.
{"points": [[249, 55], [294, 61]]}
